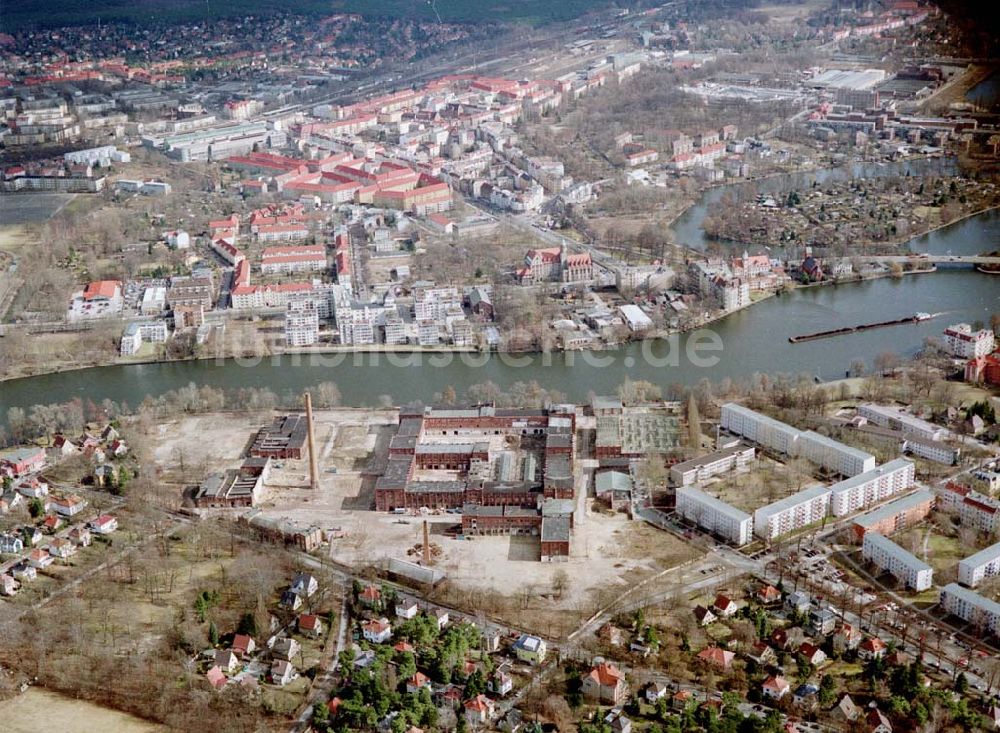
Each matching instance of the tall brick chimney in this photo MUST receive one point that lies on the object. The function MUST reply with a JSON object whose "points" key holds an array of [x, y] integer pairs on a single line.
{"points": [[427, 545], [313, 469]]}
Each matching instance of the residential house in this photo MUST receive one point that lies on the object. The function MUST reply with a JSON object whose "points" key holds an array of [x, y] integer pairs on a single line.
{"points": [[478, 711], [654, 691], [490, 640], [80, 536], [8, 586], [61, 548], [878, 722], [406, 609], [611, 634], [11, 544], [716, 657], [40, 559], [871, 648], [52, 523], [226, 660], [822, 621], [606, 684], [704, 616], [216, 678], [104, 524], [282, 672], [291, 600], [441, 616], [761, 654], [846, 637], [680, 699], [806, 695], [530, 649], [501, 683], [768, 594], [32, 536], [370, 596], [243, 645], [402, 647], [775, 688], [310, 624], [724, 606], [33, 487], [812, 654], [24, 571], [285, 648], [304, 585], [377, 632], [846, 710], [417, 682], [618, 722], [798, 602]]}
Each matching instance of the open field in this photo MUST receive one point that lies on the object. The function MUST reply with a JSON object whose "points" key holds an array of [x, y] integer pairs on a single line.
{"points": [[31, 208], [768, 483], [39, 709]]}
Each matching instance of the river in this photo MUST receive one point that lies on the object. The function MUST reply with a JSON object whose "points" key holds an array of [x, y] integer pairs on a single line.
{"points": [[749, 341]]}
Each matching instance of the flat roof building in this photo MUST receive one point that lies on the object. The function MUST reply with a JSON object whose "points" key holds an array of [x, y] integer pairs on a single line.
{"points": [[904, 566], [716, 516], [871, 486], [975, 568], [791, 513], [896, 515], [982, 613]]}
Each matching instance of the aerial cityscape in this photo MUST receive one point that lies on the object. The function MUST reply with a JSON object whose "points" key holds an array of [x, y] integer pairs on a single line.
{"points": [[458, 365]]}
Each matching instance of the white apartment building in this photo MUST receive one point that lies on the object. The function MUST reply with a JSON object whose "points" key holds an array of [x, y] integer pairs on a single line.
{"points": [[981, 612], [791, 513], [137, 332], [984, 564], [905, 567], [896, 419], [961, 341], [715, 516], [357, 325], [980, 511], [286, 260], [301, 323], [785, 439], [932, 450], [871, 487], [736, 458], [428, 333], [761, 429], [834, 455], [154, 300], [434, 304]]}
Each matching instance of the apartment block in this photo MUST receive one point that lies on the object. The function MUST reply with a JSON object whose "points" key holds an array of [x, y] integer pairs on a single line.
{"points": [[895, 419], [784, 439], [905, 567], [984, 564], [715, 516], [871, 487], [896, 515], [961, 341], [736, 458], [301, 323], [981, 612], [792, 513]]}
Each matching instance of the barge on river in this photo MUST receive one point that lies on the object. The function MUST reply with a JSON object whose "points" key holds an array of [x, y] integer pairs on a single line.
{"points": [[915, 318]]}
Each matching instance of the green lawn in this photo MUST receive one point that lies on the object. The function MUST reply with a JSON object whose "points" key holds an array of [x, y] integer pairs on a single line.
{"points": [[45, 13]]}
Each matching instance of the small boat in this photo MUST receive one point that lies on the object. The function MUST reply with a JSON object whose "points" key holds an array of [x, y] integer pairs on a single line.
{"points": [[921, 316]]}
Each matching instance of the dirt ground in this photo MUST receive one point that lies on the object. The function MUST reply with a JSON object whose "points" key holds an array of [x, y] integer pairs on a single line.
{"points": [[771, 481], [39, 709]]}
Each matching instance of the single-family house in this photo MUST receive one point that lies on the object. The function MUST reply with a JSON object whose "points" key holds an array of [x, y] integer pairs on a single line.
{"points": [[406, 609], [285, 648], [10, 543], [216, 678], [704, 616], [377, 632], [402, 647], [618, 721], [104, 524], [768, 594], [80, 536], [441, 616], [798, 602], [806, 695], [605, 684], [846, 710], [417, 682], [724, 606], [775, 688], [310, 625], [871, 648], [846, 637], [61, 548], [8, 586], [33, 487], [40, 559], [370, 596], [226, 660], [501, 682], [761, 653], [530, 649], [878, 722], [490, 640], [32, 536], [304, 585], [24, 571], [52, 523], [282, 672], [243, 645], [713, 656], [611, 634], [812, 654], [291, 600], [478, 711], [654, 691]]}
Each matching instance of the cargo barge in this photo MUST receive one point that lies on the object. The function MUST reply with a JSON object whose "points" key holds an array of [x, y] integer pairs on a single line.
{"points": [[915, 318]]}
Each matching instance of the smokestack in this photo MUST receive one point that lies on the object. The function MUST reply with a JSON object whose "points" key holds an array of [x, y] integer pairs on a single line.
{"points": [[427, 545], [313, 470]]}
